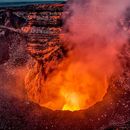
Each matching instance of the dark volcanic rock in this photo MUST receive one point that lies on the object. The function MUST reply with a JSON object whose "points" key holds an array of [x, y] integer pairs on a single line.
{"points": [[4, 49]]}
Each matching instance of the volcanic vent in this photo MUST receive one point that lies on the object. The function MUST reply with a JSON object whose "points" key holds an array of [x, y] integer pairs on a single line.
{"points": [[72, 71]]}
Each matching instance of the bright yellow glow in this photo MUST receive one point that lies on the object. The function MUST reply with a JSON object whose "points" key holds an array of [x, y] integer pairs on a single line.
{"points": [[72, 102]]}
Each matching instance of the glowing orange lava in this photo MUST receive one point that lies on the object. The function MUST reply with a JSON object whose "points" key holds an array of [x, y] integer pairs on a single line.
{"points": [[73, 86]]}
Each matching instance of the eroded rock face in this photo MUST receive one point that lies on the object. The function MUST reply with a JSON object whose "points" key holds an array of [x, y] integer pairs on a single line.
{"points": [[37, 26], [30, 30]]}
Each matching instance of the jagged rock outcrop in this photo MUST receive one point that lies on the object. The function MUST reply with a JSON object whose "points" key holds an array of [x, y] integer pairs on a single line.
{"points": [[39, 26]]}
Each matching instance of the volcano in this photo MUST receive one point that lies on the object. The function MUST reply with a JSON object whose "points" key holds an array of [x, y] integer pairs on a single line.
{"points": [[40, 89]]}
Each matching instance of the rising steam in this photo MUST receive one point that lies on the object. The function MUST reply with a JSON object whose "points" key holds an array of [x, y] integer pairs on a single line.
{"points": [[94, 37]]}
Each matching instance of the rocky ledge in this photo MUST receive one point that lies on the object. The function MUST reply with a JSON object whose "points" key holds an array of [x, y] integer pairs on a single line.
{"points": [[36, 25]]}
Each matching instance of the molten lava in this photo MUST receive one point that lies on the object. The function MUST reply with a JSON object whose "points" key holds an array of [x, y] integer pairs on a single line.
{"points": [[71, 86]]}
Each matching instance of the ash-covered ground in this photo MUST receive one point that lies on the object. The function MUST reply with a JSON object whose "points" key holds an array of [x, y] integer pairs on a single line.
{"points": [[29, 28]]}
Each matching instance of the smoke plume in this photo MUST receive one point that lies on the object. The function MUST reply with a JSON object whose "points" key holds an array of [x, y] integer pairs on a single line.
{"points": [[94, 31]]}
